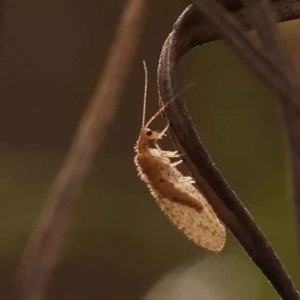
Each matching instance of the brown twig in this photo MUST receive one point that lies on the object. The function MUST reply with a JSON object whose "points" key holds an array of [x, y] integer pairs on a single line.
{"points": [[190, 30], [260, 62], [263, 19], [45, 243]]}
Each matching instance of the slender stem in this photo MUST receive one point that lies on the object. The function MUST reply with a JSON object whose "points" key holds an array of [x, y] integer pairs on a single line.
{"points": [[262, 18], [190, 30]]}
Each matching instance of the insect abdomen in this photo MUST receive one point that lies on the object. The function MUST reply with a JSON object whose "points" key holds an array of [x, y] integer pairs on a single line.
{"points": [[180, 200]]}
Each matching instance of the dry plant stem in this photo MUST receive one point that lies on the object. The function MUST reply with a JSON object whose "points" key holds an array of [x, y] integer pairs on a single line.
{"points": [[263, 20], [271, 64], [233, 31], [190, 30], [45, 243]]}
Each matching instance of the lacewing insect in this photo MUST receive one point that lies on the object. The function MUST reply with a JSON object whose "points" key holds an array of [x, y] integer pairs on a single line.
{"points": [[175, 193]]}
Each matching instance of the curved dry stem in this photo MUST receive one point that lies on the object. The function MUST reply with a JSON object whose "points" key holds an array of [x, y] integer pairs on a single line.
{"points": [[45, 243], [190, 30], [262, 18]]}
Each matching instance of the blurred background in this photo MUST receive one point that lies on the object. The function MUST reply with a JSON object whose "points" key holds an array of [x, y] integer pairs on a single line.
{"points": [[120, 244]]}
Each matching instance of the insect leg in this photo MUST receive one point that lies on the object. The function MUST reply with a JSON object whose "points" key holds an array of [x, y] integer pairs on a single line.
{"points": [[163, 132], [176, 163], [160, 136], [172, 154]]}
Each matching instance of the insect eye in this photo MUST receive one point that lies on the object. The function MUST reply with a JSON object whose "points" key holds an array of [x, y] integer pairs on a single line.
{"points": [[149, 132]]}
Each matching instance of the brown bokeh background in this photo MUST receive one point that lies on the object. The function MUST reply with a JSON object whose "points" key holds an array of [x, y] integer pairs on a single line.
{"points": [[120, 244]]}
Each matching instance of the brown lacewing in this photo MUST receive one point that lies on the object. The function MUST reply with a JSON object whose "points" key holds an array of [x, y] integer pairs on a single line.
{"points": [[175, 193]]}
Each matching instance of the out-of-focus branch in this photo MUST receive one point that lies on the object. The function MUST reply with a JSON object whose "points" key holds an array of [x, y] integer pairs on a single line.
{"points": [[45, 243], [263, 19], [190, 30], [233, 32]]}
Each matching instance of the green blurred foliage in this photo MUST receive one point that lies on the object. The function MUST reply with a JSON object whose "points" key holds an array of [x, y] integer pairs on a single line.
{"points": [[120, 244]]}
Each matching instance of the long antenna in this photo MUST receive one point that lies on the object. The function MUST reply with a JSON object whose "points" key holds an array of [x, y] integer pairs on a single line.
{"points": [[166, 104], [158, 113], [145, 93]]}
